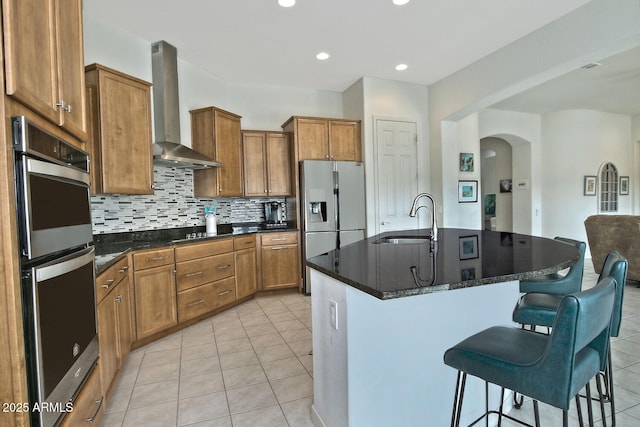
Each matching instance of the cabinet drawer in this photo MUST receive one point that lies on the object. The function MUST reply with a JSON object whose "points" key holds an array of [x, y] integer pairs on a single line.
{"points": [[204, 270], [87, 408], [108, 279], [154, 258], [204, 298], [271, 239], [244, 242], [199, 250]]}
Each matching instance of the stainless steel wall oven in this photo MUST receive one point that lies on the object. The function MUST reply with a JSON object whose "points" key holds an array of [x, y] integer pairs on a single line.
{"points": [[57, 268]]}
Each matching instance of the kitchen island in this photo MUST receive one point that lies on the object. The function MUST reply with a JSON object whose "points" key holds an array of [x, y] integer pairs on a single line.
{"points": [[385, 310]]}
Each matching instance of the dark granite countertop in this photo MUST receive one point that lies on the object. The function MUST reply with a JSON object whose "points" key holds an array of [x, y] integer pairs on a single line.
{"points": [[461, 258], [110, 247]]}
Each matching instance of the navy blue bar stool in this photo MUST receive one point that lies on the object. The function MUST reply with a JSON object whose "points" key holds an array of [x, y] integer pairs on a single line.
{"points": [[539, 309], [550, 368]]}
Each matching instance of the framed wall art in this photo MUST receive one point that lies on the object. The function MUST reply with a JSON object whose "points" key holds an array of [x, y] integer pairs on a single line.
{"points": [[469, 247], [467, 191], [466, 162], [590, 185], [624, 185]]}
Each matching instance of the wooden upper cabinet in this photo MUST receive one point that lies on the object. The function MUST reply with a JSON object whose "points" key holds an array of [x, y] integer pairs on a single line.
{"points": [[120, 132], [325, 139], [216, 133], [44, 59], [267, 163]]}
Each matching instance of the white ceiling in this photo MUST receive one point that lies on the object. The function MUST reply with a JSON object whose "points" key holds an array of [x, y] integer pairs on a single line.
{"points": [[259, 42]]}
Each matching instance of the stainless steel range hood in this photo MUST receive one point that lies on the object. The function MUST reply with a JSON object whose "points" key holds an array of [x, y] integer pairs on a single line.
{"points": [[167, 150]]}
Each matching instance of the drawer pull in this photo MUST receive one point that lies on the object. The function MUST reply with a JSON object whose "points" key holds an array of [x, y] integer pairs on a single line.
{"points": [[197, 273], [222, 267], [200, 301], [277, 248], [108, 283], [123, 269], [247, 243], [159, 258], [93, 417], [280, 239], [227, 292]]}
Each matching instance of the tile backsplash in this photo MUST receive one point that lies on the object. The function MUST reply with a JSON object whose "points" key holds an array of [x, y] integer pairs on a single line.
{"points": [[172, 205]]}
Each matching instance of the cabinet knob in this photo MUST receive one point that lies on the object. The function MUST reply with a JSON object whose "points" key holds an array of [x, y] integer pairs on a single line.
{"points": [[326, 156]]}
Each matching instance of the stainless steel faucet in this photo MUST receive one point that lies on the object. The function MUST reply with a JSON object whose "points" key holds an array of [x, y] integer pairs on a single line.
{"points": [[414, 211]]}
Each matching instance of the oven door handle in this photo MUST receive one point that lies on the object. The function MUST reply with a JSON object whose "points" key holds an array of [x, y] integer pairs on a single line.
{"points": [[56, 171], [64, 265]]}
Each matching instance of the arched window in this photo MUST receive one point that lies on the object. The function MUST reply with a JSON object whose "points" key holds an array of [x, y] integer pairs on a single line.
{"points": [[608, 188]]}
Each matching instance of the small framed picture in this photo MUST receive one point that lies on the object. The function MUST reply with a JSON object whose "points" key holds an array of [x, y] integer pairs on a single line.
{"points": [[506, 186], [468, 273], [624, 185], [590, 185], [466, 162], [468, 247], [467, 191]]}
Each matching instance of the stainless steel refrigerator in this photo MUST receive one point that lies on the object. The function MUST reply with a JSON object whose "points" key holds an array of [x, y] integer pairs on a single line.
{"points": [[332, 207]]}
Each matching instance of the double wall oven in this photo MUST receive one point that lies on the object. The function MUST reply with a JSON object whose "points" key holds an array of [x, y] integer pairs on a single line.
{"points": [[57, 268]]}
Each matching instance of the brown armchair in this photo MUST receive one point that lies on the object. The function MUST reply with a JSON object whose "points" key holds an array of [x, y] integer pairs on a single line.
{"points": [[621, 233]]}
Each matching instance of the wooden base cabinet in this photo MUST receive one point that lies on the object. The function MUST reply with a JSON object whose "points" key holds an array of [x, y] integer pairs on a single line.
{"points": [[89, 407], [155, 291], [115, 326], [280, 259], [246, 265]]}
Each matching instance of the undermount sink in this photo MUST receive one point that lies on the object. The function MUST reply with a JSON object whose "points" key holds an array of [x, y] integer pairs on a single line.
{"points": [[402, 240]]}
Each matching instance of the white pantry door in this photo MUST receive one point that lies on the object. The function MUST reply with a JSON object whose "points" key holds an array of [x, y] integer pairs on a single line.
{"points": [[397, 174]]}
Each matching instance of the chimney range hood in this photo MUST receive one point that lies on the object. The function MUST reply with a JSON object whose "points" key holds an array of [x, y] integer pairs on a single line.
{"points": [[167, 150]]}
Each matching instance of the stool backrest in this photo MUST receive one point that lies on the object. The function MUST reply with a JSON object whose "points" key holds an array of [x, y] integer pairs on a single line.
{"points": [[576, 272], [616, 266], [581, 326]]}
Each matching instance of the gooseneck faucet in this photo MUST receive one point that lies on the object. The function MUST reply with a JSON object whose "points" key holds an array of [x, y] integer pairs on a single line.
{"points": [[414, 211]]}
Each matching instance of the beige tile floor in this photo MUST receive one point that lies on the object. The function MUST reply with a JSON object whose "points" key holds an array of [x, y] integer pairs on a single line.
{"points": [[250, 366]]}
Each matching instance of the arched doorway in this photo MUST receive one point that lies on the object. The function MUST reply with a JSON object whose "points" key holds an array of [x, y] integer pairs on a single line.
{"points": [[497, 184]]}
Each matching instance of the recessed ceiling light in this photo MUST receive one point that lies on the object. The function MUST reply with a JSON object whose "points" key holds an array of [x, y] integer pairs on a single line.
{"points": [[322, 56], [286, 3], [401, 67], [400, 2]]}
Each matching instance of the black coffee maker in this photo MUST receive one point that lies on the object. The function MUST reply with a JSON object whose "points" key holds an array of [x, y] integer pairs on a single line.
{"points": [[275, 214]]}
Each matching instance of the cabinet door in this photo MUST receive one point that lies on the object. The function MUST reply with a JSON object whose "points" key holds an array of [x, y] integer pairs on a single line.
{"points": [[344, 140], [30, 54], [229, 153], [255, 169], [278, 164], [70, 46], [155, 300], [280, 266], [124, 135], [125, 327], [313, 139], [108, 341], [246, 282]]}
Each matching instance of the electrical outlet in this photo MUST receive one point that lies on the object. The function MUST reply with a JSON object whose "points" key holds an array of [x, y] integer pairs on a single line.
{"points": [[333, 314]]}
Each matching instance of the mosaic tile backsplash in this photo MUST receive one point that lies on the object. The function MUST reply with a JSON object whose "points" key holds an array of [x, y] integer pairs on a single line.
{"points": [[172, 205]]}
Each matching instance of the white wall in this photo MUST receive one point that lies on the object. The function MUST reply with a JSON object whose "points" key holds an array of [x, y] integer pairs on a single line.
{"points": [[576, 143], [371, 98], [523, 132], [261, 107], [598, 29]]}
